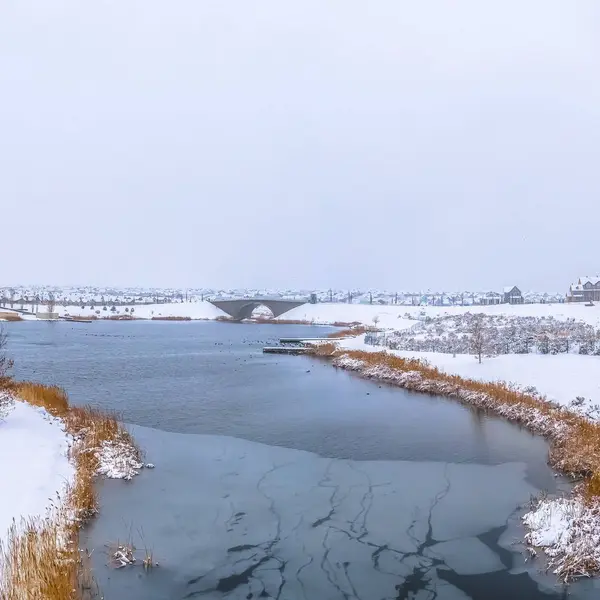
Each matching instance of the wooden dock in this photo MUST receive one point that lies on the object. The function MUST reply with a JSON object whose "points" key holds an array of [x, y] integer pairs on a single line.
{"points": [[288, 350]]}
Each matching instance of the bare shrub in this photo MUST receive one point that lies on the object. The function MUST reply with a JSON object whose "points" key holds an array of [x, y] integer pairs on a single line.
{"points": [[479, 336], [6, 364]]}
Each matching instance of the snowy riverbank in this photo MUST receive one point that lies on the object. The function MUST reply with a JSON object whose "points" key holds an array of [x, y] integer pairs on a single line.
{"points": [[36, 470], [51, 454], [390, 316], [561, 378]]}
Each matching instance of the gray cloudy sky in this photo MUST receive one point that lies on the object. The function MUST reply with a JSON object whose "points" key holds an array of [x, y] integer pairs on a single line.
{"points": [[449, 144]]}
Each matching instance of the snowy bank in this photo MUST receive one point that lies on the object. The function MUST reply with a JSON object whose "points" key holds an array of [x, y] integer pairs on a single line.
{"points": [[36, 470], [184, 310], [51, 454], [560, 378], [569, 532], [388, 316]]}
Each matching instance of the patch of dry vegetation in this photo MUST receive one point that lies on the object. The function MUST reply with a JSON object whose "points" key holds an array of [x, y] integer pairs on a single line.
{"points": [[351, 331], [42, 559], [274, 321], [327, 349], [171, 318], [10, 316], [38, 565], [82, 318]]}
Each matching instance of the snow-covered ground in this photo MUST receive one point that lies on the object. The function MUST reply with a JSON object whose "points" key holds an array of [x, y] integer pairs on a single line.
{"points": [[389, 316], [34, 468], [577, 311], [561, 377], [193, 310]]}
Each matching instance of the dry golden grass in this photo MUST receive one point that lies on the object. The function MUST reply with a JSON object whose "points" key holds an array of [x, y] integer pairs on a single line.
{"points": [[83, 317], [273, 321], [52, 398], [10, 316], [350, 332], [39, 568], [42, 560], [325, 350], [171, 318], [346, 324], [35, 567], [576, 451]]}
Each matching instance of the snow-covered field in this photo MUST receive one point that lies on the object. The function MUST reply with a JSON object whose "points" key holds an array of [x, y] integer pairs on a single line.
{"points": [[388, 316], [577, 311], [192, 310], [34, 469]]}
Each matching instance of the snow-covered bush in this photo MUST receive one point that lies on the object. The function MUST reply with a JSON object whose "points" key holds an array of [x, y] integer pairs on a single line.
{"points": [[6, 405], [504, 335]]}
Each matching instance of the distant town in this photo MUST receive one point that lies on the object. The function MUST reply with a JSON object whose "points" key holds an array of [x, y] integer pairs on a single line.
{"points": [[584, 289]]}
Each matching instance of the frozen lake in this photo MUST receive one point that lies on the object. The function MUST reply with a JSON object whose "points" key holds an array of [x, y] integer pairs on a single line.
{"points": [[280, 477]]}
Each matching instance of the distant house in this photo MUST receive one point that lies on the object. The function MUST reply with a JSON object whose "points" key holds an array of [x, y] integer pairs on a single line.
{"points": [[587, 289], [512, 295], [490, 298]]}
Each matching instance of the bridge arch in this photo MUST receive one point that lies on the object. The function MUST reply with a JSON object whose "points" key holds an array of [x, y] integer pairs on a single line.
{"points": [[242, 308]]}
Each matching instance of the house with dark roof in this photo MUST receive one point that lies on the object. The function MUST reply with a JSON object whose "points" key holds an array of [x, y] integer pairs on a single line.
{"points": [[587, 289], [512, 295]]}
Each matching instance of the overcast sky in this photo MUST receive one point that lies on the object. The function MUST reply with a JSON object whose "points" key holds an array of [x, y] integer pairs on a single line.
{"points": [[448, 144]]}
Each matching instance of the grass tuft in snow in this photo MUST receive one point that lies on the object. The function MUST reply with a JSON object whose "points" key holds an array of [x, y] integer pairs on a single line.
{"points": [[568, 529], [41, 560], [7, 403], [103, 446]]}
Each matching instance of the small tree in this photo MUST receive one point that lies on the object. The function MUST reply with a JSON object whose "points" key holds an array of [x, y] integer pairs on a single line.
{"points": [[6, 363], [479, 335], [51, 302]]}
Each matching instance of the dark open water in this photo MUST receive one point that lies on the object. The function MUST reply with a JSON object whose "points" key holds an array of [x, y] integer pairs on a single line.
{"points": [[281, 477]]}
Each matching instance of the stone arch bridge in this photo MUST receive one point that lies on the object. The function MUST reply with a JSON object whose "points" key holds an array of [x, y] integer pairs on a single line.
{"points": [[242, 308]]}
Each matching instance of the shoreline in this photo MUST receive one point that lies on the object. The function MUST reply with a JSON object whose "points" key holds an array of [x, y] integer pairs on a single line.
{"points": [[119, 319], [40, 556], [567, 529]]}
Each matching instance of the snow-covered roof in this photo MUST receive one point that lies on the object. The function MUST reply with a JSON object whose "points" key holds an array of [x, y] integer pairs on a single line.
{"points": [[594, 279], [509, 288]]}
